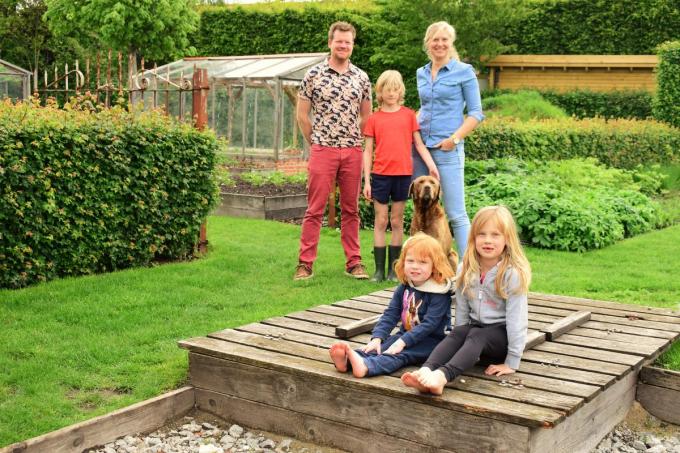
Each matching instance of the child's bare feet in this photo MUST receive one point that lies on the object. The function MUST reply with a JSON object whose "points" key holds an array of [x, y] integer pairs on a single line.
{"points": [[338, 353], [411, 380], [434, 382], [359, 368]]}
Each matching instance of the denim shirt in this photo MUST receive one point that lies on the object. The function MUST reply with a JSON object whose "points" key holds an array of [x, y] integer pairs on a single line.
{"points": [[442, 101]]}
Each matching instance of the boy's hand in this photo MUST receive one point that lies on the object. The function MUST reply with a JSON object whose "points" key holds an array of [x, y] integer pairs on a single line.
{"points": [[367, 191], [373, 345], [396, 347], [498, 370], [434, 173]]}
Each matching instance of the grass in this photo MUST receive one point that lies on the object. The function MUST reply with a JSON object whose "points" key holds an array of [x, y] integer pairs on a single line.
{"points": [[76, 348], [524, 105]]}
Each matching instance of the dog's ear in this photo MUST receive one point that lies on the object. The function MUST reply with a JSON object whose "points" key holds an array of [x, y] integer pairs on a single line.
{"points": [[410, 189], [438, 186]]}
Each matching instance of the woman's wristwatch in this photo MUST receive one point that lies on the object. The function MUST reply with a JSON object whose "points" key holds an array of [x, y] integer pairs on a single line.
{"points": [[455, 139]]}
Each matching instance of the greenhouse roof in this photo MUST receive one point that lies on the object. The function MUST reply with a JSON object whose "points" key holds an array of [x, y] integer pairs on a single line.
{"points": [[9, 68], [283, 66]]}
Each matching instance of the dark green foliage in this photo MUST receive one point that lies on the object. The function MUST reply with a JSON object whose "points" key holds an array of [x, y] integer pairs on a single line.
{"points": [[667, 101], [573, 205], [605, 104], [617, 143], [85, 192], [595, 26]]}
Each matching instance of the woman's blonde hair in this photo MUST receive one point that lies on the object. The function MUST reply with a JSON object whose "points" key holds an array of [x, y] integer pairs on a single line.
{"points": [[435, 28], [390, 80], [512, 256], [423, 246]]}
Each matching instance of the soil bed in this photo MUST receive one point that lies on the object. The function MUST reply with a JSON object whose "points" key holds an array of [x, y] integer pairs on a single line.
{"points": [[246, 188]]}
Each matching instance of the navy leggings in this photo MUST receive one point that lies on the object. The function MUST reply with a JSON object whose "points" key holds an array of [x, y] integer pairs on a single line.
{"points": [[464, 346]]}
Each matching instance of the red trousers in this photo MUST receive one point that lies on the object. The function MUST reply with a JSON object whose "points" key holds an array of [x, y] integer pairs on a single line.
{"points": [[326, 165]]}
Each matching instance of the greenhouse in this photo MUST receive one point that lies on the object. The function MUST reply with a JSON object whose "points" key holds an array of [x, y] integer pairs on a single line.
{"points": [[15, 82], [251, 102]]}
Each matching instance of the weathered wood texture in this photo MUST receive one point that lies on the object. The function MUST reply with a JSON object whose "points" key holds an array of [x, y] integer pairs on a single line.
{"points": [[579, 385], [354, 328], [659, 393], [141, 417]]}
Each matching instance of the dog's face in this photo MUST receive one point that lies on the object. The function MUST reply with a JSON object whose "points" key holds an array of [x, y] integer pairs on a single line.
{"points": [[425, 190]]}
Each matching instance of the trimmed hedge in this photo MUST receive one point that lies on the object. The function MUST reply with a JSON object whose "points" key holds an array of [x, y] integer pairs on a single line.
{"points": [[595, 27], [84, 192], [617, 143], [667, 101]]}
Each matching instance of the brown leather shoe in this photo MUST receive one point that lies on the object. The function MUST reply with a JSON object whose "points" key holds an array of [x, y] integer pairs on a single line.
{"points": [[303, 272], [357, 271]]}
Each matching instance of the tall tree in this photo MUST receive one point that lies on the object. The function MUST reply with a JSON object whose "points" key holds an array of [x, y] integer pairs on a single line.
{"points": [[155, 29]]}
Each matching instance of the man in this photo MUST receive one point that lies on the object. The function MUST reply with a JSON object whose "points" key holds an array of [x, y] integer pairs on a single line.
{"points": [[338, 95]]}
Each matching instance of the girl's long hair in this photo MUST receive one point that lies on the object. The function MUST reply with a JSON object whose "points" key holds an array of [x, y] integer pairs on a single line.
{"points": [[421, 245], [512, 257], [432, 30]]}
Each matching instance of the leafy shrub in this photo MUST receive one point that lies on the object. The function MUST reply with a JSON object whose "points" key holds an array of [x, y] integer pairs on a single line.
{"points": [[566, 205], [84, 192], [524, 105], [604, 104], [616, 143], [667, 101]]}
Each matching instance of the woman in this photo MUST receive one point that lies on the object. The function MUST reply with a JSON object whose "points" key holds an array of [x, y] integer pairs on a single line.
{"points": [[446, 86]]}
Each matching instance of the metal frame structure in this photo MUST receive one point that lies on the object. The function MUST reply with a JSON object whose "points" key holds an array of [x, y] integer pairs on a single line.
{"points": [[9, 71]]}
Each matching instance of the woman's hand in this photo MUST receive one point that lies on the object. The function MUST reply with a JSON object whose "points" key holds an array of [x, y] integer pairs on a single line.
{"points": [[396, 347], [446, 144], [498, 370], [373, 345], [434, 172]]}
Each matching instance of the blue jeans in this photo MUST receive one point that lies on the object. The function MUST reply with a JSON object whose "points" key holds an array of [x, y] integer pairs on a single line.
{"points": [[382, 364], [451, 166]]}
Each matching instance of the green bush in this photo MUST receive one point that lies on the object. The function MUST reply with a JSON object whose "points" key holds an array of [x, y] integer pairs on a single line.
{"points": [[604, 104], [667, 100], [617, 143], [524, 105], [84, 192], [565, 205]]}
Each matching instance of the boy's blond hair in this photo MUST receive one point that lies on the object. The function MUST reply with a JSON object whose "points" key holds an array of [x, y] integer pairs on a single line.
{"points": [[512, 257], [390, 80]]}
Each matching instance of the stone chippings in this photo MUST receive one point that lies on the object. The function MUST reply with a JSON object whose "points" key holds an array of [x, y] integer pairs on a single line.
{"points": [[193, 436], [623, 439]]}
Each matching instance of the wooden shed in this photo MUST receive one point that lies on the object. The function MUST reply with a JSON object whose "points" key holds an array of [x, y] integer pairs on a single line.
{"points": [[569, 72]]}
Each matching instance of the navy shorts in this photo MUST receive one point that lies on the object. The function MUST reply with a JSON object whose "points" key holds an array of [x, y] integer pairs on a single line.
{"points": [[386, 187]]}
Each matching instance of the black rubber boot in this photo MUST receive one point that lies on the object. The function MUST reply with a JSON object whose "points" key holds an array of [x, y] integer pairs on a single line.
{"points": [[379, 256], [395, 251]]}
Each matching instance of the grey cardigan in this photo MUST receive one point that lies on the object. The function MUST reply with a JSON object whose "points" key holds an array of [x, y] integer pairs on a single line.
{"points": [[487, 307]]}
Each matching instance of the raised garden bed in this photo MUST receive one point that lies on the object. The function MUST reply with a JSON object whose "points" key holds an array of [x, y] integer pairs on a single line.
{"points": [[266, 201]]}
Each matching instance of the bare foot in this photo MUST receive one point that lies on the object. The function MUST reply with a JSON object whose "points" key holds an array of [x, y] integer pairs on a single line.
{"points": [[411, 380], [359, 368], [434, 382], [338, 353]]}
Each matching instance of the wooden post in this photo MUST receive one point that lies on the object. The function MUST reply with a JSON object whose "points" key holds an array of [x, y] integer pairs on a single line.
{"points": [[199, 112]]}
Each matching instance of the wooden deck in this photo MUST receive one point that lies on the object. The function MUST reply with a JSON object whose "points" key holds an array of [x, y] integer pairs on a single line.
{"points": [[276, 375]]}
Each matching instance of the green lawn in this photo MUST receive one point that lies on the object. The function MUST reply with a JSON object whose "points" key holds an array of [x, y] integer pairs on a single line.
{"points": [[80, 347]]}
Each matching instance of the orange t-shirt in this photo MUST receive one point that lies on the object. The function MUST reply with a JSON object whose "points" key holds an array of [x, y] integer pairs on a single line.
{"points": [[392, 134]]}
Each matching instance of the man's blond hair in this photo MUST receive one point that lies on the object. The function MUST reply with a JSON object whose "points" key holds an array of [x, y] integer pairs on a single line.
{"points": [[341, 26]]}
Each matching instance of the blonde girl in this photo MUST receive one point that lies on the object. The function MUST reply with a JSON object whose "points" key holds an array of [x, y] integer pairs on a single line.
{"points": [[491, 305], [422, 302]]}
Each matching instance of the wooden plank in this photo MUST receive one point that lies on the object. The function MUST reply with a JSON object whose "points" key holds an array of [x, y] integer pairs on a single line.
{"points": [[291, 335], [353, 328], [302, 326], [340, 311], [533, 339], [529, 396], [566, 324], [660, 377], [145, 416], [614, 311], [301, 426], [318, 318], [600, 303], [585, 391], [503, 410], [661, 402], [620, 337], [591, 353], [632, 330], [636, 322], [640, 349], [582, 431], [567, 374], [371, 298], [359, 305], [578, 363]]}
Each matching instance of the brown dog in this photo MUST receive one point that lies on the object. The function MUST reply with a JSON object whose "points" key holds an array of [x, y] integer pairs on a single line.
{"points": [[429, 217]]}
